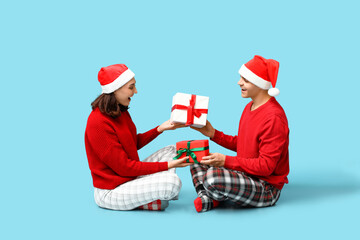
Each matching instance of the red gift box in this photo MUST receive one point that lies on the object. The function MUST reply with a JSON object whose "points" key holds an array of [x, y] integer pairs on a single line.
{"points": [[195, 149]]}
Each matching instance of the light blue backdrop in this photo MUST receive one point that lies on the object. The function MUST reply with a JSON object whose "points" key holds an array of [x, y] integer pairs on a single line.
{"points": [[51, 52]]}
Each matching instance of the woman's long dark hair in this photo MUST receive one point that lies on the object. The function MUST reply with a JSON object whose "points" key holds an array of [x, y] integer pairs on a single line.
{"points": [[107, 104]]}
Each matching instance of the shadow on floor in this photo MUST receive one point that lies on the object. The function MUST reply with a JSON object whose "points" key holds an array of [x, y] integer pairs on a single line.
{"points": [[298, 192]]}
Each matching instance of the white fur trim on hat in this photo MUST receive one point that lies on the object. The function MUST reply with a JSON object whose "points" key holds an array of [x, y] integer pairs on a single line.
{"points": [[119, 82], [253, 78]]}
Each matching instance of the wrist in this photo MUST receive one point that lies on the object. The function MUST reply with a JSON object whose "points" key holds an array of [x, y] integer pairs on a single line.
{"points": [[212, 133], [159, 129], [169, 165]]}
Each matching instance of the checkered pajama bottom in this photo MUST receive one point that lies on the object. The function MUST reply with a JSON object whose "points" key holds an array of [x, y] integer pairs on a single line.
{"points": [[145, 191], [224, 184]]}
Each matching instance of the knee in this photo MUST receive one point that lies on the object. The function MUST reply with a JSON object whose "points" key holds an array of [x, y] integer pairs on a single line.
{"points": [[98, 202], [168, 153], [98, 198], [211, 181], [171, 149], [105, 199], [214, 186], [172, 186], [175, 183]]}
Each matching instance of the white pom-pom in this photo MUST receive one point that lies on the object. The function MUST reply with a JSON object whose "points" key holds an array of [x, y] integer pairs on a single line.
{"points": [[273, 92]]}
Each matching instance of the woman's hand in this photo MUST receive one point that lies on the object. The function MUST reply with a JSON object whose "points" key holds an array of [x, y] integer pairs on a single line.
{"points": [[208, 130], [169, 126], [179, 163], [214, 160]]}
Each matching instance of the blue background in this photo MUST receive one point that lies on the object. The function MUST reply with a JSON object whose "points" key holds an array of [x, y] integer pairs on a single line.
{"points": [[52, 51]]}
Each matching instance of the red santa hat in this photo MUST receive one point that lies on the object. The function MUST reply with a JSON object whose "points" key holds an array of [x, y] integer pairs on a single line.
{"points": [[262, 72], [114, 76]]}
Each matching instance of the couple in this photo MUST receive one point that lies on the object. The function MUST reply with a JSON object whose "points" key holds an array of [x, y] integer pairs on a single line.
{"points": [[252, 178]]}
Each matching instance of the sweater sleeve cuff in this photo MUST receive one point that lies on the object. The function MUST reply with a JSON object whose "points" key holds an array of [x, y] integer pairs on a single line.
{"points": [[163, 166], [155, 131], [157, 128], [216, 137], [230, 162]]}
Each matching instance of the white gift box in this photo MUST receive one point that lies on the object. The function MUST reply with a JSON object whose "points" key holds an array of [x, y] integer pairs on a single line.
{"points": [[185, 112]]}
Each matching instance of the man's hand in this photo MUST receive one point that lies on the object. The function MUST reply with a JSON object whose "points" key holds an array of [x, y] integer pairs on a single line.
{"points": [[214, 160], [170, 126], [208, 130]]}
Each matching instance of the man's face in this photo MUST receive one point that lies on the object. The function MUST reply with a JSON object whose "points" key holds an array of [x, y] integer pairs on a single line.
{"points": [[248, 89]]}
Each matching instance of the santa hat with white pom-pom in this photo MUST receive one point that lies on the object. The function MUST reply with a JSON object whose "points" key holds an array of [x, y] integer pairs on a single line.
{"points": [[114, 77], [262, 72]]}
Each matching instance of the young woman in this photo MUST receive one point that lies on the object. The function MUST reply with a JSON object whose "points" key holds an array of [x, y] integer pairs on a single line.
{"points": [[120, 179]]}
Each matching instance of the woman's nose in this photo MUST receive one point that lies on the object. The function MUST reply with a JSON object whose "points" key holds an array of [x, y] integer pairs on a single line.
{"points": [[136, 90]]}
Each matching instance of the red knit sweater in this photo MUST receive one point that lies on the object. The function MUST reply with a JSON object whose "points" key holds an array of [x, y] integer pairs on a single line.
{"points": [[111, 148], [261, 144]]}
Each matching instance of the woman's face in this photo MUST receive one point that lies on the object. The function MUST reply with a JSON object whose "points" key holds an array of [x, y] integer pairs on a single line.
{"points": [[124, 94]]}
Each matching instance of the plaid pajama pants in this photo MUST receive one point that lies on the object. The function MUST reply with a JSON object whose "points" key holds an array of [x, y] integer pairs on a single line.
{"points": [[224, 184], [145, 189]]}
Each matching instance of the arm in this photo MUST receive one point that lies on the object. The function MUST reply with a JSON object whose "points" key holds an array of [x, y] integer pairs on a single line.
{"points": [[147, 137], [105, 145], [272, 141], [227, 141], [117, 159]]}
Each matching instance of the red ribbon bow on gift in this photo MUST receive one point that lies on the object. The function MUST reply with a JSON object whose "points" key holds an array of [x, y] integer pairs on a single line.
{"points": [[191, 111]]}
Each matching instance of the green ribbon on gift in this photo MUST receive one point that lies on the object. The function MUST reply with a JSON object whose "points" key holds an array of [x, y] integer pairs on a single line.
{"points": [[190, 152]]}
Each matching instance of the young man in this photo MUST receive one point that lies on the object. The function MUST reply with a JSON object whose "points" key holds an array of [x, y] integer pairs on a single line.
{"points": [[256, 175]]}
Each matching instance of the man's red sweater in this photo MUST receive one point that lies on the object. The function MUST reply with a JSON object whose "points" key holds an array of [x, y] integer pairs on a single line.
{"points": [[111, 148], [261, 144]]}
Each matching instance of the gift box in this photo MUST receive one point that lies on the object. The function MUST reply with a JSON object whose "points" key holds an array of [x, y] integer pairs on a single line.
{"points": [[189, 109], [195, 149]]}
